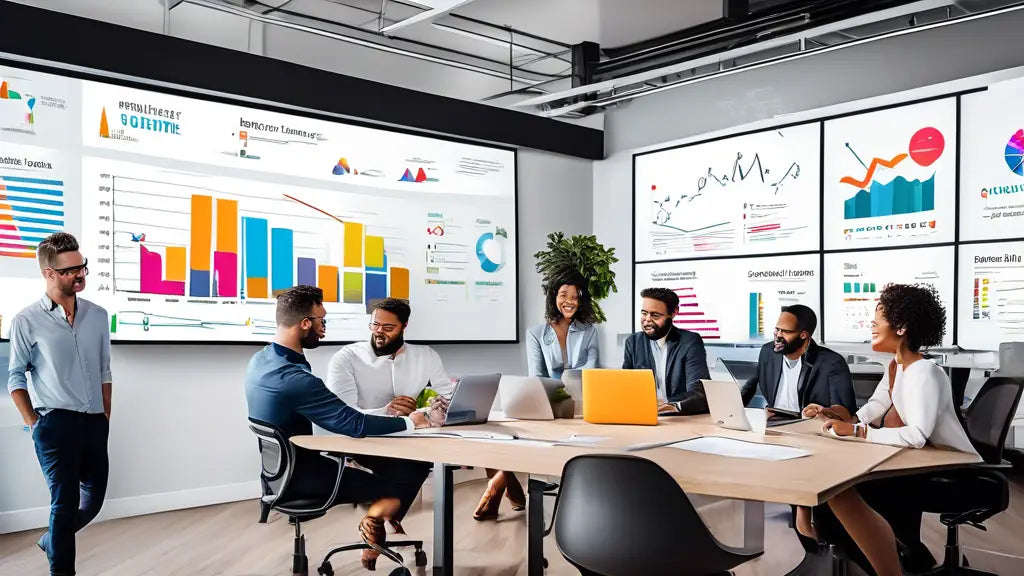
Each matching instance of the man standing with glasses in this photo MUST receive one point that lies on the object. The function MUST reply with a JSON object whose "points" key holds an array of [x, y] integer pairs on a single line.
{"points": [[63, 341], [385, 376]]}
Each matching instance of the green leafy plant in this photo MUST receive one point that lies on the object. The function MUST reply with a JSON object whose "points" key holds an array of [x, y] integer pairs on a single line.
{"points": [[560, 395], [582, 255]]}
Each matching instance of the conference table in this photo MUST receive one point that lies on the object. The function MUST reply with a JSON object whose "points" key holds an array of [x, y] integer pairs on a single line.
{"points": [[541, 448]]}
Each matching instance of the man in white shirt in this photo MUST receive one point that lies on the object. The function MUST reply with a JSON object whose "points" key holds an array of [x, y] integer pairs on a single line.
{"points": [[385, 376]]}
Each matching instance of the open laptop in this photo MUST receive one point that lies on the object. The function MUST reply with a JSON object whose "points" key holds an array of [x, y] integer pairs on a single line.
{"points": [[472, 399], [726, 405], [573, 382], [618, 396], [528, 397]]}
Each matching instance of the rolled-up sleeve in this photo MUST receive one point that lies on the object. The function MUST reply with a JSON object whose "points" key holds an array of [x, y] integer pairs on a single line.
{"points": [[21, 356]]}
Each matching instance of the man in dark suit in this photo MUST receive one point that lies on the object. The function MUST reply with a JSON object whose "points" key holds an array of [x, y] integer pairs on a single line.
{"points": [[794, 371], [677, 357]]}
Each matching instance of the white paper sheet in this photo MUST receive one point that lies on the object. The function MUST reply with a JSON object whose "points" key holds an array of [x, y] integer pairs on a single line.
{"points": [[450, 433], [740, 449]]}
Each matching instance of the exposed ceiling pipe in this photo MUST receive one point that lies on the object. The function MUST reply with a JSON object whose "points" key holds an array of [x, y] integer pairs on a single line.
{"points": [[256, 16]]}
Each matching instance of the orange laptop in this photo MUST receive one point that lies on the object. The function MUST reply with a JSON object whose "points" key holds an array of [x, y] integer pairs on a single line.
{"points": [[619, 397]]}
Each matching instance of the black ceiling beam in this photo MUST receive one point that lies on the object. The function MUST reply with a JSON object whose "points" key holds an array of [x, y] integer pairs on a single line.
{"points": [[122, 50]]}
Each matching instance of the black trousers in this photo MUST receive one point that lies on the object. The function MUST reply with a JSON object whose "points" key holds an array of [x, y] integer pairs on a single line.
{"points": [[390, 478]]}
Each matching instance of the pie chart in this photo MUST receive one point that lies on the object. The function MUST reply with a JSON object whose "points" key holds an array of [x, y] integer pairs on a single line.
{"points": [[490, 251], [1014, 153], [926, 145]]}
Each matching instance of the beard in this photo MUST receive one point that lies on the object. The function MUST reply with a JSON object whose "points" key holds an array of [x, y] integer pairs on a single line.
{"points": [[73, 287], [310, 340], [390, 346], [790, 347], [660, 332]]}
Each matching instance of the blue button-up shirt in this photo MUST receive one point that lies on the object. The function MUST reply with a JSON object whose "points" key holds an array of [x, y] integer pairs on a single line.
{"points": [[68, 364]]}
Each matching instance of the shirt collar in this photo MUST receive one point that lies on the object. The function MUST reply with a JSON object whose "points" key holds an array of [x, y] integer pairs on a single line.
{"points": [[792, 363], [49, 305], [288, 354]]}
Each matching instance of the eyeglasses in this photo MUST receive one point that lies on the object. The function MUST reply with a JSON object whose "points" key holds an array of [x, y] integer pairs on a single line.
{"points": [[322, 319], [784, 331], [374, 326], [74, 270]]}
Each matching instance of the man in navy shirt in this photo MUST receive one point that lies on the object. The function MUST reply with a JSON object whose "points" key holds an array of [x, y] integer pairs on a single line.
{"points": [[281, 390]]}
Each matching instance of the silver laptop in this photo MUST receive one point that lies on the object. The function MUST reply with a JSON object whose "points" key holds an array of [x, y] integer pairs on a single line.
{"points": [[528, 397], [573, 382], [726, 405], [472, 399]]}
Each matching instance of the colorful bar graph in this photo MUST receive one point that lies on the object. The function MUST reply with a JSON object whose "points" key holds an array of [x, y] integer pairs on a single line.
{"points": [[375, 253], [756, 314], [353, 245], [28, 213], [282, 260], [376, 287], [327, 280], [151, 275], [227, 225], [307, 271], [353, 288], [201, 243], [225, 274], [400, 283], [255, 257]]}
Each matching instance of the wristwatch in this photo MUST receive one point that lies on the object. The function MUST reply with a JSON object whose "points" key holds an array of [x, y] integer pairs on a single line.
{"points": [[857, 428]]}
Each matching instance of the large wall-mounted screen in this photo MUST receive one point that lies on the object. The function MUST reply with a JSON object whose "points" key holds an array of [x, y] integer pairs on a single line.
{"points": [[195, 214], [757, 193], [734, 300], [890, 177]]}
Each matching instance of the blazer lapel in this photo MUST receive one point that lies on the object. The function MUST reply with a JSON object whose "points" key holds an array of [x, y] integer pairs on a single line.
{"points": [[572, 345], [672, 350], [550, 345], [808, 369], [771, 387]]}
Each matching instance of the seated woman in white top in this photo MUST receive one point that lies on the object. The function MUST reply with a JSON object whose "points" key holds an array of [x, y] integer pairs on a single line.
{"points": [[567, 340], [912, 407]]}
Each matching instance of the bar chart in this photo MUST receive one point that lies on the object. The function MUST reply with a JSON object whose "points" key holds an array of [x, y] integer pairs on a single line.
{"points": [[30, 209]]}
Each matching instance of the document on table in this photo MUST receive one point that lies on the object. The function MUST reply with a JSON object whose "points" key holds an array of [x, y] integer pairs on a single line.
{"points": [[451, 433], [733, 448]]}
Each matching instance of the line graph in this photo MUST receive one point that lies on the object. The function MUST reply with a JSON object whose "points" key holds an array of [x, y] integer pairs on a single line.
{"points": [[875, 163]]}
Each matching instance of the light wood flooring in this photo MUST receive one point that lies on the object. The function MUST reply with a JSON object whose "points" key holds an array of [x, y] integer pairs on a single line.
{"points": [[227, 540]]}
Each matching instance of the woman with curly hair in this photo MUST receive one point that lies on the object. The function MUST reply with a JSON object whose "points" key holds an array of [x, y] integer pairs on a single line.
{"points": [[912, 406], [567, 340]]}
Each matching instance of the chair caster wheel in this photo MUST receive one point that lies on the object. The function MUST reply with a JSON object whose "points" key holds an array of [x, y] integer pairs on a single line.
{"points": [[421, 558], [401, 571], [325, 569]]}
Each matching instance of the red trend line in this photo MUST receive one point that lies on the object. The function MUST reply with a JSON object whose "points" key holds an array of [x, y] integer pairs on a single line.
{"points": [[871, 170], [314, 208]]}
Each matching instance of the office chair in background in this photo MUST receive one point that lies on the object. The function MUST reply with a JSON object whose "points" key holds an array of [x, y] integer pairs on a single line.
{"points": [[619, 515], [279, 469]]}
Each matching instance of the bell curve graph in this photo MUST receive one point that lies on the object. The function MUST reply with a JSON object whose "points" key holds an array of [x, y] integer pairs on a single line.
{"points": [[30, 209]]}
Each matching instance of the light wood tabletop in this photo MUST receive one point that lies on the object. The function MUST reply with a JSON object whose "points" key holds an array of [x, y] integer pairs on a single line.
{"points": [[832, 465]]}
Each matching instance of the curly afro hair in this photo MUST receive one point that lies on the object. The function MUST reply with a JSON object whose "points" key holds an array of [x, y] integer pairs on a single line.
{"points": [[916, 309], [584, 308]]}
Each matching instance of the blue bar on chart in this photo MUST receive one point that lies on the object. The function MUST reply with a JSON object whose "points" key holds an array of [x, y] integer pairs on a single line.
{"points": [[307, 271], [255, 258], [376, 288], [282, 260]]}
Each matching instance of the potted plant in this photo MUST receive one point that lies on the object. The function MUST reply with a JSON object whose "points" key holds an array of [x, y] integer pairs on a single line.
{"points": [[582, 256]]}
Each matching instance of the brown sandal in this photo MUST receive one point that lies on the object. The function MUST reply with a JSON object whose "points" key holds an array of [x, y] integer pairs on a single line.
{"points": [[371, 530], [487, 509]]}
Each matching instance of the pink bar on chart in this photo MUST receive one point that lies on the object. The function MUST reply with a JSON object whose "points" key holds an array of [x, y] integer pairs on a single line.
{"points": [[151, 275], [225, 267]]}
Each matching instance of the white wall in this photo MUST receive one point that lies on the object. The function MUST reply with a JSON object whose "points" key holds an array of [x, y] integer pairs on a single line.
{"points": [[178, 432]]}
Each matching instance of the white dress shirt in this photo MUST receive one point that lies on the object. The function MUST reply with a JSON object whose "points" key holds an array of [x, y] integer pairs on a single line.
{"points": [[788, 395], [660, 361], [922, 397], [369, 382]]}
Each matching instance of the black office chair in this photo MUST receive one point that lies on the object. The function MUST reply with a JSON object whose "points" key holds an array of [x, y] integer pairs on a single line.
{"points": [[973, 495], [619, 515], [280, 466]]}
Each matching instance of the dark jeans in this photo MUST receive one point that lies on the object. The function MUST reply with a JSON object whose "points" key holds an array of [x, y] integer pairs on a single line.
{"points": [[406, 476], [72, 452]]}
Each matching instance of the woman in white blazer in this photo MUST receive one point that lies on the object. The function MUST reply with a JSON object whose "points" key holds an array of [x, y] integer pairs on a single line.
{"points": [[912, 407], [567, 340]]}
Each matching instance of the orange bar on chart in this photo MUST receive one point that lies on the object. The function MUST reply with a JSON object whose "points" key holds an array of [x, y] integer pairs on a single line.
{"points": [[227, 226], [353, 245], [202, 231], [399, 283], [375, 252], [256, 288], [175, 264], [327, 280]]}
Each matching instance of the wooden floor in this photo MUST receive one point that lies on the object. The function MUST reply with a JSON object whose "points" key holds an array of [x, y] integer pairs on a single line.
{"points": [[227, 540]]}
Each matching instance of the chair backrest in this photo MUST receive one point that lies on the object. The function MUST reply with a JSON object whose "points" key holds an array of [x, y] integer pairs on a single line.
{"points": [[277, 455], [987, 420], [619, 514]]}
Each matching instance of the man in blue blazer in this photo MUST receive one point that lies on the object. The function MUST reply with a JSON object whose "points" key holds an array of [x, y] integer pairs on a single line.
{"points": [[677, 357]]}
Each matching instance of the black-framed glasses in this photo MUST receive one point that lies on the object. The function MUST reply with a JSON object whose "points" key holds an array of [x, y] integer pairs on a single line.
{"points": [[322, 319], [74, 270], [374, 326]]}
